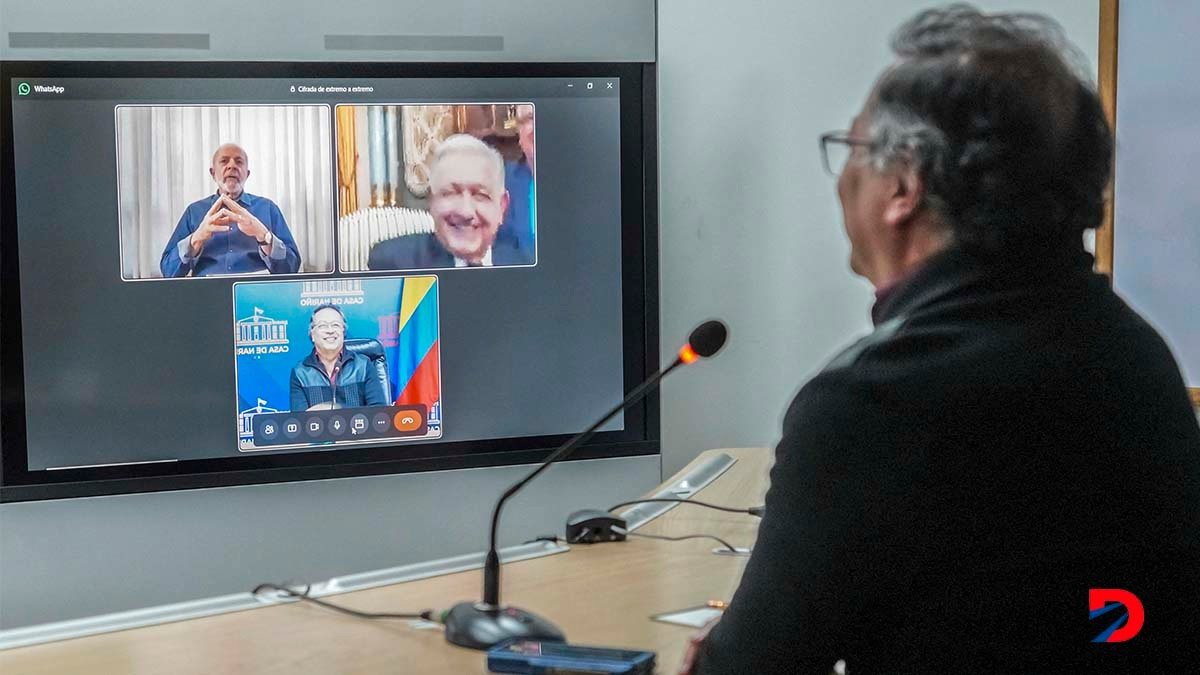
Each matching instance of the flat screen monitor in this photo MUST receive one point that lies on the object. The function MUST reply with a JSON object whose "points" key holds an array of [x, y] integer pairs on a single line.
{"points": [[231, 273]]}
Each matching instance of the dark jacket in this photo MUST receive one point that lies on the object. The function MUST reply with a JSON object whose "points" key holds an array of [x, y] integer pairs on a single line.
{"points": [[948, 489], [424, 251], [357, 383]]}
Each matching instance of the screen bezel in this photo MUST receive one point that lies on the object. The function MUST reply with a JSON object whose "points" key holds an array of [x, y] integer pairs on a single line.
{"points": [[639, 246]]}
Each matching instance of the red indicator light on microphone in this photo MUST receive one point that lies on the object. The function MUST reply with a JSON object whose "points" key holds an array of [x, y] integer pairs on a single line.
{"points": [[688, 355]]}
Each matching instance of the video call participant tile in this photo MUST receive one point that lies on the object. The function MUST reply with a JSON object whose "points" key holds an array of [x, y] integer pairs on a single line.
{"points": [[336, 361], [209, 191], [436, 186]]}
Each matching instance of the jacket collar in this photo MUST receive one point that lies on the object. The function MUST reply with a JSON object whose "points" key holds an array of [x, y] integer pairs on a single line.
{"points": [[503, 252], [315, 361], [949, 273]]}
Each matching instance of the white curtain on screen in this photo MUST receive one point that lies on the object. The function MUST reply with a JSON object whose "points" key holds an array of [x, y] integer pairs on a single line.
{"points": [[163, 157]]}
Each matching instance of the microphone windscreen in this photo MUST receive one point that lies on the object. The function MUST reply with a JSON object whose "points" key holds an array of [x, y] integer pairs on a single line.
{"points": [[708, 338]]}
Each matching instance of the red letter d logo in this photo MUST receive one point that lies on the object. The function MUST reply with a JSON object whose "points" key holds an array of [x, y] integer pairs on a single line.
{"points": [[1125, 624]]}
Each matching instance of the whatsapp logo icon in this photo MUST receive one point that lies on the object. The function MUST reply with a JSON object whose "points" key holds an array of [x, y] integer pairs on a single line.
{"points": [[23, 89]]}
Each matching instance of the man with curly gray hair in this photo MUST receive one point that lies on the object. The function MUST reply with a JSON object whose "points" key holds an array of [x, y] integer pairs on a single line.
{"points": [[949, 489]]}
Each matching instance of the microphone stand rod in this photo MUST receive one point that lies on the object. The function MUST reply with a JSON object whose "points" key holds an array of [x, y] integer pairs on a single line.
{"points": [[491, 591]]}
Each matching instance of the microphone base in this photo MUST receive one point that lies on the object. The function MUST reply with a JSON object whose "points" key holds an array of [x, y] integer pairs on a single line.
{"points": [[479, 626]]}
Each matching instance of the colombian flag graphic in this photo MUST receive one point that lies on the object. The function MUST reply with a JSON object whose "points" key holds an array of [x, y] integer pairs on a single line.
{"points": [[416, 368]]}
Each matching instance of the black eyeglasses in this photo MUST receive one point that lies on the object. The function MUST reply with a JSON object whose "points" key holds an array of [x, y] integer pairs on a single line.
{"points": [[836, 148]]}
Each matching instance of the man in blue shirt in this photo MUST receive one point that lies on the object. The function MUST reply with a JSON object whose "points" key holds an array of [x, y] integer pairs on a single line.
{"points": [[519, 220], [231, 231]]}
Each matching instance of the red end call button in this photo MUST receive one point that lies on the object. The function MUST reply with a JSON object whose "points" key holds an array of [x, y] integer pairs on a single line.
{"points": [[407, 420]]}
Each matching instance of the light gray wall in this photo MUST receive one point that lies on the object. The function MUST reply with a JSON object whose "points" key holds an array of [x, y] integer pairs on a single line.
{"points": [[1156, 243], [73, 558], [751, 227], [296, 30]]}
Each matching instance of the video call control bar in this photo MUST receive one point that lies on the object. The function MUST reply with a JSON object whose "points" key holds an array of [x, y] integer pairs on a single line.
{"points": [[324, 427]]}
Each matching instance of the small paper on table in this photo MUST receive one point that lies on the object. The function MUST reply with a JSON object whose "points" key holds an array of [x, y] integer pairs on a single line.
{"points": [[696, 617]]}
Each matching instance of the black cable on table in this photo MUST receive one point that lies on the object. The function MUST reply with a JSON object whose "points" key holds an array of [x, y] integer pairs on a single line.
{"points": [[754, 510], [682, 538]]}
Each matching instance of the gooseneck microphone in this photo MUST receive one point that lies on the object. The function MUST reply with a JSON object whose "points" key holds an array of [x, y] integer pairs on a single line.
{"points": [[481, 625]]}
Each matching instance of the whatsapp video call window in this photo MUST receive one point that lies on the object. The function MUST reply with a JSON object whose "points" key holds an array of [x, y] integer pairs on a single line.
{"points": [[224, 268]]}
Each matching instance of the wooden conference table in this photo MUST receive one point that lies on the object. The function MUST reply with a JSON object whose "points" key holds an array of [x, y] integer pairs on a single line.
{"points": [[601, 594]]}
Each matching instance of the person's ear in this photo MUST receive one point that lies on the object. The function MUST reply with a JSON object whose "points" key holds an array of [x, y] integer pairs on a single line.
{"points": [[907, 191], [212, 173], [504, 200]]}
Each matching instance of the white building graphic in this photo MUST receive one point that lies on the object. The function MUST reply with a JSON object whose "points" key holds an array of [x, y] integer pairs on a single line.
{"points": [[246, 418], [261, 330]]}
